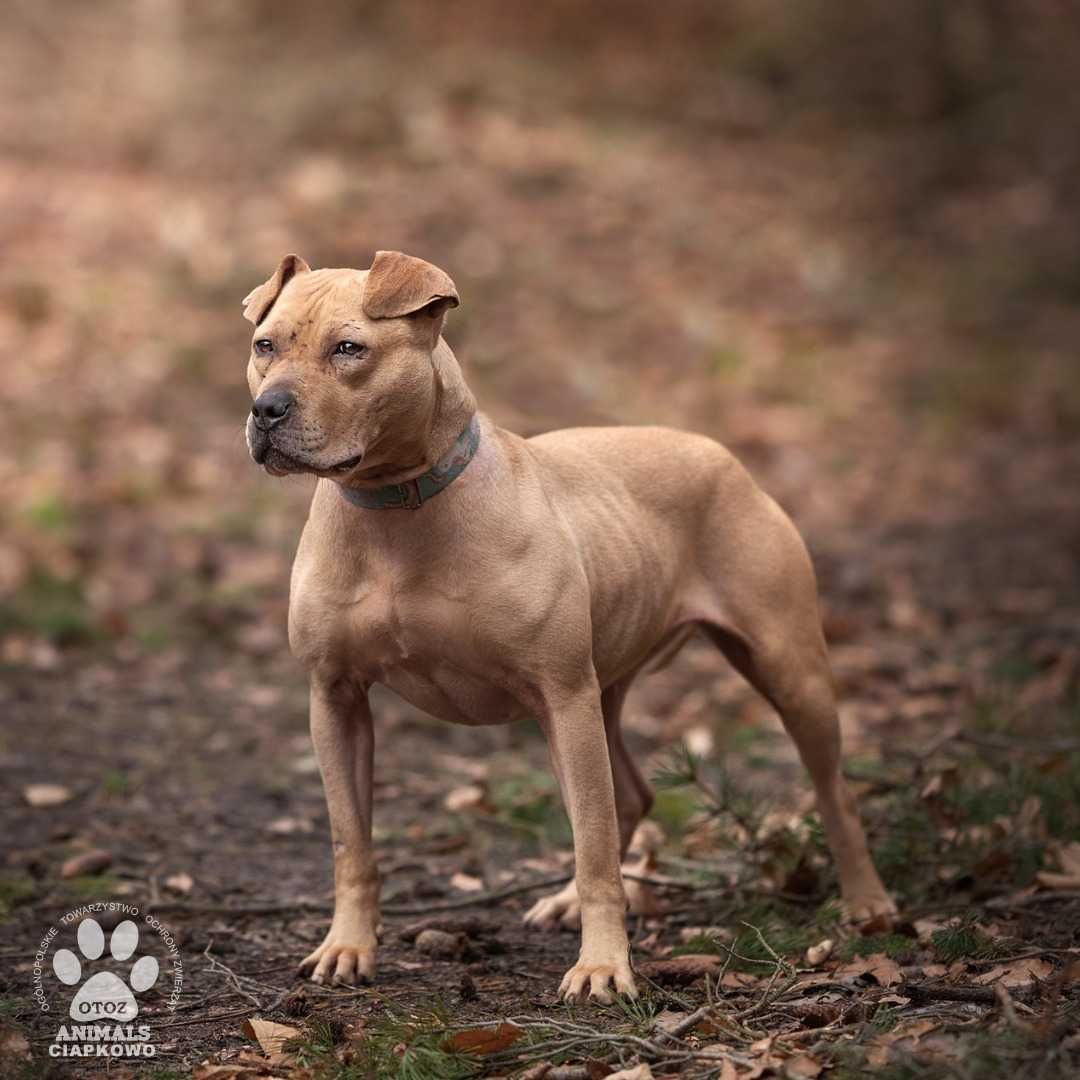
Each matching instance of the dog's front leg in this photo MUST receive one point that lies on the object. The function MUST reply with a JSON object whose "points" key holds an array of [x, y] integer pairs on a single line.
{"points": [[342, 732], [574, 726]]}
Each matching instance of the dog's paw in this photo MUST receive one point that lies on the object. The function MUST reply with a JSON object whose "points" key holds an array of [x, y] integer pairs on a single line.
{"points": [[561, 910], [339, 962], [875, 907], [595, 981]]}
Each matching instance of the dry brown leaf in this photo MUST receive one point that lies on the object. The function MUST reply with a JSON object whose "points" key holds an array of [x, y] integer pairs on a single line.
{"points": [[89, 862], [1016, 972], [638, 1072], [466, 882], [287, 826], [180, 883], [14, 1045], [738, 980], [877, 966], [802, 1067], [233, 1071], [1068, 858], [271, 1037], [466, 797], [484, 1040], [41, 795]]}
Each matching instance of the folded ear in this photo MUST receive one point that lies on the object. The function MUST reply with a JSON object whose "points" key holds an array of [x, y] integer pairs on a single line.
{"points": [[399, 285], [258, 302]]}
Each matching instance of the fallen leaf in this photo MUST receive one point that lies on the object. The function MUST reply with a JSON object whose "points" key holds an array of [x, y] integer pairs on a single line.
{"points": [[484, 1040], [738, 980], [14, 1045], [877, 966], [802, 1067], [271, 1037], [638, 1072], [287, 826], [467, 797], [1068, 857], [233, 1071], [180, 883], [1016, 972], [40, 795], [466, 882], [819, 953], [89, 862]]}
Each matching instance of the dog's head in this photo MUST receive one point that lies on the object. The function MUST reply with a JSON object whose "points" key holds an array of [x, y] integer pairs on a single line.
{"points": [[341, 367]]}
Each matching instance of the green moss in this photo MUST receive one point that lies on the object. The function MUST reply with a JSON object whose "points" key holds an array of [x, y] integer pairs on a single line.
{"points": [[15, 890]]}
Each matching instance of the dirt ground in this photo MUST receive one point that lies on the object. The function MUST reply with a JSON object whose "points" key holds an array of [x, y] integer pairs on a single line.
{"points": [[632, 243]]}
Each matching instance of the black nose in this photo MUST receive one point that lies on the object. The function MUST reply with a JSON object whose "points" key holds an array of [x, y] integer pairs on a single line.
{"points": [[271, 407]]}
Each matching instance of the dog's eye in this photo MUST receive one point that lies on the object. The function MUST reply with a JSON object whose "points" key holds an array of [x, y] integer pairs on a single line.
{"points": [[263, 347], [349, 348]]}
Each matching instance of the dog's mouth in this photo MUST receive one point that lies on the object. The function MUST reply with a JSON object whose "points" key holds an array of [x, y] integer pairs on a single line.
{"points": [[278, 463]]}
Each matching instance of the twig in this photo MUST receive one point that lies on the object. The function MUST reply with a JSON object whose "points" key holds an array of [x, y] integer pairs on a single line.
{"points": [[477, 899], [286, 907], [204, 1019], [977, 995]]}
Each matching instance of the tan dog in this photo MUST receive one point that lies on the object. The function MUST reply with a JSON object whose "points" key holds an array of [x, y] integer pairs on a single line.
{"points": [[485, 577]]}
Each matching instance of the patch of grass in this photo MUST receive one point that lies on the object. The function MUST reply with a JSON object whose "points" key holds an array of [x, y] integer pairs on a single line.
{"points": [[15, 890], [12, 1006], [700, 945], [686, 785], [895, 946], [50, 514], [673, 809], [92, 887], [116, 784], [530, 802], [405, 1044], [963, 942], [51, 606], [724, 360]]}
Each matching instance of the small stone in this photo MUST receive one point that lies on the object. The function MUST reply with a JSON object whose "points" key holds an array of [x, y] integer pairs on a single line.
{"points": [[440, 945]]}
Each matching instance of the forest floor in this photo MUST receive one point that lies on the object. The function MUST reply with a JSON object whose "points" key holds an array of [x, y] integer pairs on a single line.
{"points": [[678, 265]]}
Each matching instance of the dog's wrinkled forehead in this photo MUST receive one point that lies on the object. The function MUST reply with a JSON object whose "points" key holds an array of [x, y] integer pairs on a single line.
{"points": [[396, 285], [318, 298]]}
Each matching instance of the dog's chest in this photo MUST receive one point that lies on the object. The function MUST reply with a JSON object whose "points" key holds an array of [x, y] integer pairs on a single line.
{"points": [[415, 641]]}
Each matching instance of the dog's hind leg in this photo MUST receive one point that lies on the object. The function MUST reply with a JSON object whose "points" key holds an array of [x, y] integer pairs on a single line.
{"points": [[633, 799], [769, 627]]}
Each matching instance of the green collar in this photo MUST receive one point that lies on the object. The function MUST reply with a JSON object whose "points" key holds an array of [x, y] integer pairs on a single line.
{"points": [[410, 494]]}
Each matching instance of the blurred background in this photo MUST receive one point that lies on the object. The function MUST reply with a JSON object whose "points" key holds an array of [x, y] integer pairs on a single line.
{"points": [[842, 236]]}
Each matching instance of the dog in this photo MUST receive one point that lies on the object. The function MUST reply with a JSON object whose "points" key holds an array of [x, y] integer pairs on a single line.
{"points": [[485, 577]]}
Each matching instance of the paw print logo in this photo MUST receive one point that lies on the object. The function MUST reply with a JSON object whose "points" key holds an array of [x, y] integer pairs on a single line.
{"points": [[105, 996]]}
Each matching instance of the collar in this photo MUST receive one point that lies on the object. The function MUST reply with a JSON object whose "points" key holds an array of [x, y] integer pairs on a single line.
{"points": [[410, 494]]}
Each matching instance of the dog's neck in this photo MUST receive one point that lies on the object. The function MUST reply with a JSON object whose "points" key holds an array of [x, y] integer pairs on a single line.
{"points": [[448, 433]]}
